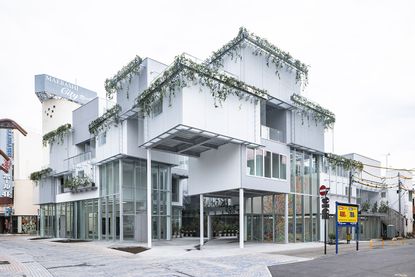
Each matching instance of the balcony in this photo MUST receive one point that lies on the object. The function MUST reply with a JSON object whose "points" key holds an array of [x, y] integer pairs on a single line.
{"points": [[272, 134], [73, 161]]}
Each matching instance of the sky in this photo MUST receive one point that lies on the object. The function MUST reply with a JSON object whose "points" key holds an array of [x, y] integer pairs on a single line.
{"points": [[361, 55]]}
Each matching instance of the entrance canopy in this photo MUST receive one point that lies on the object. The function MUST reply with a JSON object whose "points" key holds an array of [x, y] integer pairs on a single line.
{"points": [[189, 141]]}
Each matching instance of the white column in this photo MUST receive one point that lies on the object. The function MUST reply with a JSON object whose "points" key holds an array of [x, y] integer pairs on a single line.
{"points": [[241, 218], [286, 219], [209, 227], [273, 219], [121, 201], [201, 221], [149, 200], [262, 218]]}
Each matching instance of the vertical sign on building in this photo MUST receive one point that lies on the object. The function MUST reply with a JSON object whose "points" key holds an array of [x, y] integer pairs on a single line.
{"points": [[6, 180]]}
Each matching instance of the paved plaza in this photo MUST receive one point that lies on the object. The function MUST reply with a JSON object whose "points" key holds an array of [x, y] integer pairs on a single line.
{"points": [[20, 256]]}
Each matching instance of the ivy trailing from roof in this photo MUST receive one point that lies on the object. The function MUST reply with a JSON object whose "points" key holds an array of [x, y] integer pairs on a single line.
{"points": [[320, 114], [184, 72], [104, 121], [348, 164], [127, 72], [261, 47], [56, 135], [37, 175]]}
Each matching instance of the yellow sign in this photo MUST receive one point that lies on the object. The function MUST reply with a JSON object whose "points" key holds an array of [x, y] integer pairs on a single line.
{"points": [[346, 214]]}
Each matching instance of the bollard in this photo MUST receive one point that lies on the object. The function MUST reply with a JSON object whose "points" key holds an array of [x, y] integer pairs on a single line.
{"points": [[383, 243], [371, 244]]}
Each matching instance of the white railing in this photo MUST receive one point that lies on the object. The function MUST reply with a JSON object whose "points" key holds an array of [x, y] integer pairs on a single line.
{"points": [[272, 134], [73, 161]]}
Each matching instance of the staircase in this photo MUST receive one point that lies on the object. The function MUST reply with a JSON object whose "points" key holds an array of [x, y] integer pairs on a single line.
{"points": [[392, 217]]}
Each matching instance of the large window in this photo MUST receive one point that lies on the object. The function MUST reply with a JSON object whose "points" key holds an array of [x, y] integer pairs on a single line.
{"points": [[266, 164]]}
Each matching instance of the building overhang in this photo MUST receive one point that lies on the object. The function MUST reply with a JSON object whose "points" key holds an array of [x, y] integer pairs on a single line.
{"points": [[189, 141], [305, 148]]}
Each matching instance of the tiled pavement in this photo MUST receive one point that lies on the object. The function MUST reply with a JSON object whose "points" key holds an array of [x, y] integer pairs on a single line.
{"points": [[47, 258]]}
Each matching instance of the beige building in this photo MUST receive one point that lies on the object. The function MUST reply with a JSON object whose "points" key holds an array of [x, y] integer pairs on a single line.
{"points": [[27, 159]]}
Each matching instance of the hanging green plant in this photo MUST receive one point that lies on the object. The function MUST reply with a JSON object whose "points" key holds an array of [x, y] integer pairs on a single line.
{"points": [[347, 164], [77, 182], [261, 47], [37, 175], [103, 122], [127, 72], [184, 72], [56, 135], [306, 108]]}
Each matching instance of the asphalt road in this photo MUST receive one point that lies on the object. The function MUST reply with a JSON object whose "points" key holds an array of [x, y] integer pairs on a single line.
{"points": [[397, 260]]}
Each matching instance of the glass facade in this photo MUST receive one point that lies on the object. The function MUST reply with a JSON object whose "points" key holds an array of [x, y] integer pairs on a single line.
{"points": [[100, 218], [303, 202], [262, 163]]}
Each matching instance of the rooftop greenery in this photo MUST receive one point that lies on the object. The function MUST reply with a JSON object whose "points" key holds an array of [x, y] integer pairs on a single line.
{"points": [[261, 47], [184, 72], [104, 121], [127, 72], [56, 135], [319, 113]]}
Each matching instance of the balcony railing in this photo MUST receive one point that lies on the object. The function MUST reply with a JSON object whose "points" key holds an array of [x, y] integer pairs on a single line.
{"points": [[272, 134], [72, 161]]}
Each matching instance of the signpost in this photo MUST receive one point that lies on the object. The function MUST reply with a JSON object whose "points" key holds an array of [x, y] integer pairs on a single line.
{"points": [[325, 212], [347, 215]]}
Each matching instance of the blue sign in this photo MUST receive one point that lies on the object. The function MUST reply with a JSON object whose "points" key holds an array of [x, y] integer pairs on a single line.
{"points": [[47, 86], [347, 216]]}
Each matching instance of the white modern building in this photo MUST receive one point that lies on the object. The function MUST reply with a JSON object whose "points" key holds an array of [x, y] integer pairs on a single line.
{"points": [[376, 194], [233, 127]]}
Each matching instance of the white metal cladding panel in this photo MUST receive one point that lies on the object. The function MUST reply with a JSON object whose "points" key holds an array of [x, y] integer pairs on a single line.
{"points": [[307, 132], [170, 117], [254, 71], [234, 117], [215, 170], [82, 117], [60, 151]]}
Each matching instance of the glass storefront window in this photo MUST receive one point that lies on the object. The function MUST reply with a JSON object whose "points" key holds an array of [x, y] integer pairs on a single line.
{"points": [[276, 166], [283, 167], [250, 162], [267, 160], [259, 162]]}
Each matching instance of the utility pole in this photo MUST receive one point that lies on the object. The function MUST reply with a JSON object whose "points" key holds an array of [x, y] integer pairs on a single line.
{"points": [[348, 233], [399, 199]]}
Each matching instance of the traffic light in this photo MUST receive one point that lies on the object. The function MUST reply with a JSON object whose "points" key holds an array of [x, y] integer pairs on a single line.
{"points": [[325, 212]]}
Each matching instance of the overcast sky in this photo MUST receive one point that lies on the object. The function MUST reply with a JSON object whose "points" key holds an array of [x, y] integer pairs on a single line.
{"points": [[361, 55]]}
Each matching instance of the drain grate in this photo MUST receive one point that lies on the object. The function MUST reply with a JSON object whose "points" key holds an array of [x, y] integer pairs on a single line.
{"points": [[4, 262]]}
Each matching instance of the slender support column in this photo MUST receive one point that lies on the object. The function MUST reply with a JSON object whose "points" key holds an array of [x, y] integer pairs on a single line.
{"points": [[273, 219], [252, 218], [209, 227], [286, 219], [99, 218], [121, 201], [262, 218], [241, 218], [149, 200], [201, 221]]}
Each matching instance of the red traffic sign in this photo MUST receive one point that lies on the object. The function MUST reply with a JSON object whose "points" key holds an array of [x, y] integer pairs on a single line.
{"points": [[323, 190]]}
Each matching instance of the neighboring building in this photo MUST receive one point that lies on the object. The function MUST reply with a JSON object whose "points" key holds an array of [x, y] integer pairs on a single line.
{"points": [[376, 195], [254, 149], [6, 182], [18, 213]]}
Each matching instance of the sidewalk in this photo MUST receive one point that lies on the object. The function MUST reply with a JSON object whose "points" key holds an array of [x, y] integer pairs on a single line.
{"points": [[221, 257]]}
